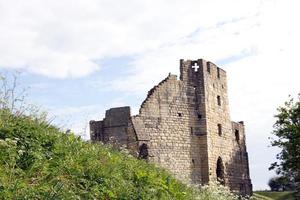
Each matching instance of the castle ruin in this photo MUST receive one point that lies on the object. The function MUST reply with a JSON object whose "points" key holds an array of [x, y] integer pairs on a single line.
{"points": [[184, 126]]}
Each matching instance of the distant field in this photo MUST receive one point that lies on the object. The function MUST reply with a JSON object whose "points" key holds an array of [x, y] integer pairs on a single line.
{"points": [[267, 195]]}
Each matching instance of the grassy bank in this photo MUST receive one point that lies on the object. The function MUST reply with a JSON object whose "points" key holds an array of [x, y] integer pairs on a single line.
{"points": [[275, 195], [38, 161]]}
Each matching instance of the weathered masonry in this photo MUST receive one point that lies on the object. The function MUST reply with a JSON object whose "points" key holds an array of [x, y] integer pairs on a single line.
{"points": [[184, 126]]}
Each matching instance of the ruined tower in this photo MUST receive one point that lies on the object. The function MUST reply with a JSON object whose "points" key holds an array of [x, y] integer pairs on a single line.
{"points": [[184, 126]]}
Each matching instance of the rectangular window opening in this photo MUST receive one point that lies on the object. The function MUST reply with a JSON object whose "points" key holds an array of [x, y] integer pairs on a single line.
{"points": [[220, 129], [237, 135], [219, 100], [208, 67]]}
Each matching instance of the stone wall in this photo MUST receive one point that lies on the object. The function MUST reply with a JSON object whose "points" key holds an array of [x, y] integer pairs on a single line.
{"points": [[166, 116], [184, 126], [113, 128]]}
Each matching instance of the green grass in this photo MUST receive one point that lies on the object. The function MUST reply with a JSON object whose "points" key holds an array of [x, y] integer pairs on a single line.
{"points": [[260, 197], [275, 195], [38, 161]]}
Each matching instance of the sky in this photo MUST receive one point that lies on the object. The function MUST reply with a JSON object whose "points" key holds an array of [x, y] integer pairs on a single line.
{"points": [[80, 57]]}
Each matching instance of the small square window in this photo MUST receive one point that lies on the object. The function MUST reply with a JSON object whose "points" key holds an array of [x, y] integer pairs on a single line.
{"points": [[199, 116], [179, 114]]}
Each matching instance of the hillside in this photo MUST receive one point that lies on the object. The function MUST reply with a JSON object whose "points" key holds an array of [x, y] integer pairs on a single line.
{"points": [[38, 161], [268, 195]]}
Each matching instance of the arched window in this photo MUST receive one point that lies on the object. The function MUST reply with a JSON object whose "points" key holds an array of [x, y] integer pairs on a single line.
{"points": [[220, 171], [143, 152]]}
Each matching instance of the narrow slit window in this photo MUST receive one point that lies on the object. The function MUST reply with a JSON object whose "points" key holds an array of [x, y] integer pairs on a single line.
{"points": [[218, 71], [237, 136], [219, 100], [208, 67], [220, 129], [191, 130]]}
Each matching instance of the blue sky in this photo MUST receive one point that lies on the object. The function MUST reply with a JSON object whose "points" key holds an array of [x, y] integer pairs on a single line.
{"points": [[81, 57]]}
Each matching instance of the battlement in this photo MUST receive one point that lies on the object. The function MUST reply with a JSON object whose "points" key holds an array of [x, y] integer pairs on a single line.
{"points": [[189, 69]]}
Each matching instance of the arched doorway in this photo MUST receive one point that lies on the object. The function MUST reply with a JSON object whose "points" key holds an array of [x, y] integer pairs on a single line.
{"points": [[220, 171], [143, 152]]}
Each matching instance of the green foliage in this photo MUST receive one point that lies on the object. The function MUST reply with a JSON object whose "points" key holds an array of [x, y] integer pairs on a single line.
{"points": [[274, 195], [287, 132], [216, 191], [282, 183], [257, 196], [37, 161]]}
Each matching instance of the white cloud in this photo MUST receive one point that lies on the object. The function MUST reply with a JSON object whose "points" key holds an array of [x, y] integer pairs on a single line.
{"points": [[63, 38]]}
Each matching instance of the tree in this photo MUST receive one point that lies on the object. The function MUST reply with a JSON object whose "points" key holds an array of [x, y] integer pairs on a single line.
{"points": [[287, 132], [281, 183]]}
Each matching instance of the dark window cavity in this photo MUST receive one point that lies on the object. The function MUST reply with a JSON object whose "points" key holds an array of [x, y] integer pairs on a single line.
{"points": [[218, 71], [208, 67], [199, 116], [220, 129], [143, 152], [220, 171], [219, 100], [179, 114], [237, 135]]}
